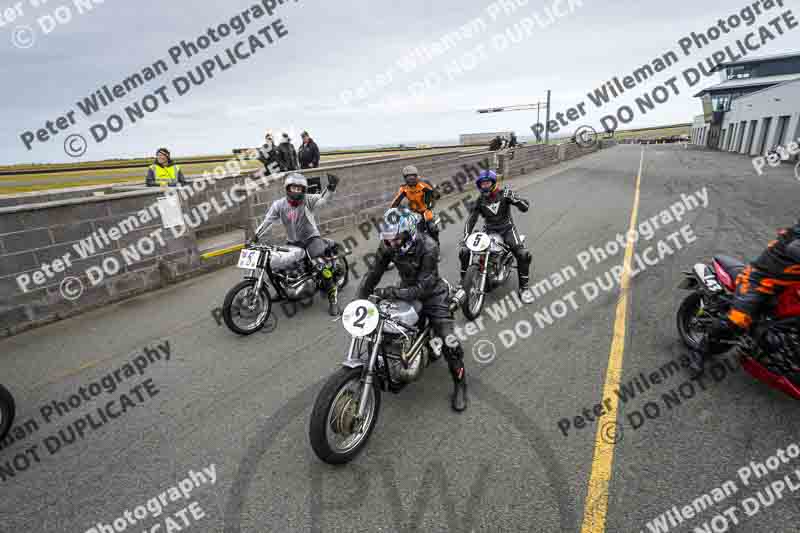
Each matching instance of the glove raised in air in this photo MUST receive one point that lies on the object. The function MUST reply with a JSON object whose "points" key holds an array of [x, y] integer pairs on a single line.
{"points": [[333, 181]]}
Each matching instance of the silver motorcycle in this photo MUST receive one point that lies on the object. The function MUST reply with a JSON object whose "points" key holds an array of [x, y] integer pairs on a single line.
{"points": [[491, 263], [390, 347], [289, 270]]}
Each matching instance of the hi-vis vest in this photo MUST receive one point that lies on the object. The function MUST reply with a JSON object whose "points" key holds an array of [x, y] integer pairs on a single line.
{"points": [[165, 176]]}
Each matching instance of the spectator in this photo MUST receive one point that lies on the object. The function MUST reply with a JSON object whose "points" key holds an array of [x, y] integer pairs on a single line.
{"points": [[513, 141], [287, 155], [496, 144], [268, 154], [309, 152], [164, 172]]}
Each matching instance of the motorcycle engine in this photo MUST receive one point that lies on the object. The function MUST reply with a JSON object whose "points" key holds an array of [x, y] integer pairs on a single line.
{"points": [[299, 284], [400, 346]]}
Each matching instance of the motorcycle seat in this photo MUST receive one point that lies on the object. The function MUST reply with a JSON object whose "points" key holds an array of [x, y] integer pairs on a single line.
{"points": [[731, 265]]}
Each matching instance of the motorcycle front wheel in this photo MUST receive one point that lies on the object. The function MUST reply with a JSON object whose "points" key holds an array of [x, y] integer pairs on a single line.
{"points": [[335, 432], [7, 409], [244, 311], [693, 324], [473, 299]]}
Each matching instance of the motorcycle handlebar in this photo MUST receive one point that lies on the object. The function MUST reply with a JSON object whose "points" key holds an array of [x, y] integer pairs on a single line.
{"points": [[266, 246]]}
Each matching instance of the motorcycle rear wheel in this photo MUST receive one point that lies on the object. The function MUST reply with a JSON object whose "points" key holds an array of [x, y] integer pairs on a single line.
{"points": [[692, 325], [334, 415], [343, 271], [7, 410]]}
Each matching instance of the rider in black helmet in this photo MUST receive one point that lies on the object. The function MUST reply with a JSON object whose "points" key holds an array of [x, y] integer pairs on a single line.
{"points": [[416, 257]]}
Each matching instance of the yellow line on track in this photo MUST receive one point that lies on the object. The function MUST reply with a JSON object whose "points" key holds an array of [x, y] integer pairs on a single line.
{"points": [[596, 505]]}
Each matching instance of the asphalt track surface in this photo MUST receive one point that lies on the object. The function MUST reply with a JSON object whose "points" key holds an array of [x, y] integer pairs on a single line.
{"points": [[243, 403]]}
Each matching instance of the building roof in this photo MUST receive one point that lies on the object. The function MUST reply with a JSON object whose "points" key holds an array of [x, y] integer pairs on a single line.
{"points": [[762, 59], [766, 81], [744, 99]]}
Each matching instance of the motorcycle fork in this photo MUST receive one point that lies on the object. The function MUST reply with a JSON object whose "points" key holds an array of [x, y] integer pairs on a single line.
{"points": [[484, 268], [258, 285], [369, 378]]}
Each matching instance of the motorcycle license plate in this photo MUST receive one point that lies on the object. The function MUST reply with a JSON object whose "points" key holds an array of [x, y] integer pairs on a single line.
{"points": [[249, 259]]}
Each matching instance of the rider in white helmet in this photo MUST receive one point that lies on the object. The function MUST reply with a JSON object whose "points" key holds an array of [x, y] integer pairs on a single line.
{"points": [[297, 211]]}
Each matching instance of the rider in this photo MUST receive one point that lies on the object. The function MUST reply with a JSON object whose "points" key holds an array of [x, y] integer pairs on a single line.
{"points": [[297, 212], [495, 207], [422, 196], [416, 257], [756, 285]]}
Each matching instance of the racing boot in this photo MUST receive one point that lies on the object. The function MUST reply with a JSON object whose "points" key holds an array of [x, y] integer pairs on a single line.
{"points": [[455, 360], [333, 302], [696, 365], [720, 330], [525, 293]]}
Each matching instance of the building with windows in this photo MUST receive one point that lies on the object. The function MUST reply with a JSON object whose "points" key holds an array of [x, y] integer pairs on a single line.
{"points": [[754, 108]]}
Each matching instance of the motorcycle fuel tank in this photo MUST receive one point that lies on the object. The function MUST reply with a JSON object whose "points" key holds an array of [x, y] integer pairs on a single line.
{"points": [[285, 260], [402, 312]]}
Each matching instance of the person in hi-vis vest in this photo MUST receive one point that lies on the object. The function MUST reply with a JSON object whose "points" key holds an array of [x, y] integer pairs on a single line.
{"points": [[163, 172]]}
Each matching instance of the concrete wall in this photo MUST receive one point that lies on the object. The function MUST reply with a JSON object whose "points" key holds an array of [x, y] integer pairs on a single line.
{"points": [[41, 232]]}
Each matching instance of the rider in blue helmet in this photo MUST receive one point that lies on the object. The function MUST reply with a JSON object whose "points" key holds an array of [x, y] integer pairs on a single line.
{"points": [[494, 205]]}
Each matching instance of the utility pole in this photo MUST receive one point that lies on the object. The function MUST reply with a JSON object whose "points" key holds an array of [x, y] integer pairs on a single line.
{"points": [[547, 123], [525, 107]]}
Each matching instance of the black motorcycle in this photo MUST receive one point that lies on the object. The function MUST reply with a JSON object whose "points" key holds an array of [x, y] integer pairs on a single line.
{"points": [[7, 409], [289, 270]]}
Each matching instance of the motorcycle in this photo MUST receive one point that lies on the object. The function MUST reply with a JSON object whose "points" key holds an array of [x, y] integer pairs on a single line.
{"points": [[390, 348], [770, 351], [7, 410], [289, 270], [491, 262]]}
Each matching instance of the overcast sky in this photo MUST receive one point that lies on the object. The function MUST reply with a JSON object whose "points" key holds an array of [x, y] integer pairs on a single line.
{"points": [[331, 48]]}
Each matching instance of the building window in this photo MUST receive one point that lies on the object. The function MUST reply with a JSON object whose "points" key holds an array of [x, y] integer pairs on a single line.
{"points": [[721, 102]]}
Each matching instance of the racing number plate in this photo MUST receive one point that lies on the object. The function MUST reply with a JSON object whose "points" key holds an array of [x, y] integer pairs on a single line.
{"points": [[478, 242], [360, 318], [249, 259]]}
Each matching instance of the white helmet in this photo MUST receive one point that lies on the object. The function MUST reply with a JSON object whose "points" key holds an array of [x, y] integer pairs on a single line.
{"points": [[295, 178], [409, 171]]}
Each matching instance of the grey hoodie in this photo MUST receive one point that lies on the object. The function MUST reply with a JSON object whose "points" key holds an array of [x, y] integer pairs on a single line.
{"points": [[300, 222]]}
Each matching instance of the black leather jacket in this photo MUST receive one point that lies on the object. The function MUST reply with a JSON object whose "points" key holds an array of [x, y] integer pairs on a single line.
{"points": [[287, 156], [496, 212], [418, 269]]}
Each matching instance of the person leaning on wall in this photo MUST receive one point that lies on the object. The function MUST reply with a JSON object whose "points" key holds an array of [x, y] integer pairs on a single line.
{"points": [[164, 172]]}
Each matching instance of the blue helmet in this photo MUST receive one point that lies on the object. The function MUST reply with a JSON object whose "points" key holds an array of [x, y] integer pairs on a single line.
{"points": [[399, 224], [486, 175]]}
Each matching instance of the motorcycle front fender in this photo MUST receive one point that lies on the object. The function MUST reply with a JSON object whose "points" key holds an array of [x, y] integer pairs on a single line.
{"points": [[689, 282], [351, 361]]}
